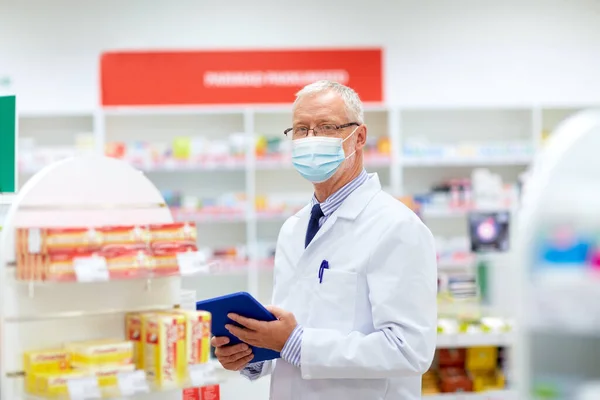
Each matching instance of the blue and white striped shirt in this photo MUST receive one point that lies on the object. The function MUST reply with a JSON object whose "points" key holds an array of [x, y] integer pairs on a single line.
{"points": [[292, 349]]}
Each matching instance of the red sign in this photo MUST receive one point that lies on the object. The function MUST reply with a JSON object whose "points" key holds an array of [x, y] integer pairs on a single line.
{"points": [[233, 77]]}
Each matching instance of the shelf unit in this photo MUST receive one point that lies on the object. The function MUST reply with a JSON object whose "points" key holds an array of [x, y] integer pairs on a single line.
{"points": [[559, 330], [50, 315], [401, 174]]}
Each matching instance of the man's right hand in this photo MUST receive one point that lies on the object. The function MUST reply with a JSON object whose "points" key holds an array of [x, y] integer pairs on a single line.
{"points": [[232, 358]]}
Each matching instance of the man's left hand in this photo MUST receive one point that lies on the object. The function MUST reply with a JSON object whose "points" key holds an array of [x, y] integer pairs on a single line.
{"points": [[269, 335]]}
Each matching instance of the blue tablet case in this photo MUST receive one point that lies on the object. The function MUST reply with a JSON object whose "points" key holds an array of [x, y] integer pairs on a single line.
{"points": [[241, 303]]}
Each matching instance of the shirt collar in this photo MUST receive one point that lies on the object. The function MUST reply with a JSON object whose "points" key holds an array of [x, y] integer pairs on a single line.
{"points": [[333, 202]]}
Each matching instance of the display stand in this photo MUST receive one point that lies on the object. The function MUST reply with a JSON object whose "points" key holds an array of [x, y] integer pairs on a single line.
{"points": [[85, 192], [558, 346]]}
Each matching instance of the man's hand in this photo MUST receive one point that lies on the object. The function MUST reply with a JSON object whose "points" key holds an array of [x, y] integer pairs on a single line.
{"points": [[268, 335], [232, 358]]}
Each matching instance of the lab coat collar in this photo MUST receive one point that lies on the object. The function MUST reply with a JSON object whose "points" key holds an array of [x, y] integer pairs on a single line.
{"points": [[356, 202]]}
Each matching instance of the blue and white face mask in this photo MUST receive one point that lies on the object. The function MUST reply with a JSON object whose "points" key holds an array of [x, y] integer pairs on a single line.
{"points": [[317, 158]]}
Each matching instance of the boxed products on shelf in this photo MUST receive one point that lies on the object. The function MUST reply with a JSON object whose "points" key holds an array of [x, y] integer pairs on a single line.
{"points": [[491, 325], [566, 247], [454, 251], [186, 207], [237, 258], [459, 370], [33, 157], [183, 151], [163, 345], [275, 204], [459, 286], [64, 254], [423, 149], [484, 190]]}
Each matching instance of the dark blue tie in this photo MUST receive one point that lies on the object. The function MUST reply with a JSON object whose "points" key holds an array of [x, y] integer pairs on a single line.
{"points": [[313, 224]]}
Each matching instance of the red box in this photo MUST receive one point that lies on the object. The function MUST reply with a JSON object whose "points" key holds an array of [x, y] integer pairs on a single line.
{"points": [[212, 392]]}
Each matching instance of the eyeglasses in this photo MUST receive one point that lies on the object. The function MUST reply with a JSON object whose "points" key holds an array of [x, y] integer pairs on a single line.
{"points": [[300, 132]]}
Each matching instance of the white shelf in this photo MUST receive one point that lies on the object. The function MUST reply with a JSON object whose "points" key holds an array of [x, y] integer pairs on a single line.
{"points": [[465, 162], [451, 341], [69, 197], [492, 395], [7, 199], [467, 262], [458, 212]]}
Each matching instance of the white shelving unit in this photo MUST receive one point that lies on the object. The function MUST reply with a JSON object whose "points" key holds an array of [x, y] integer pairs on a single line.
{"points": [[558, 340], [87, 191], [402, 173], [453, 341]]}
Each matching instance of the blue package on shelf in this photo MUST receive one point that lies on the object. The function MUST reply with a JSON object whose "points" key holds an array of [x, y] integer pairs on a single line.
{"points": [[243, 304], [564, 251]]}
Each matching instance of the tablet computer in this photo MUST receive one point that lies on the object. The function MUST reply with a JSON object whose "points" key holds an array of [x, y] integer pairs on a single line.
{"points": [[241, 303]]}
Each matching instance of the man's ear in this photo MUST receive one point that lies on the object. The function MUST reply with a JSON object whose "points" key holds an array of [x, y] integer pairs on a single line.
{"points": [[361, 137]]}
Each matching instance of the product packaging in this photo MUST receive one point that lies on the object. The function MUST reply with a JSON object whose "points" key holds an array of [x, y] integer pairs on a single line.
{"points": [[124, 238], [94, 354], [134, 328], [54, 384], [173, 236], [211, 392], [165, 359], [481, 358], [197, 335], [43, 362], [57, 240]]}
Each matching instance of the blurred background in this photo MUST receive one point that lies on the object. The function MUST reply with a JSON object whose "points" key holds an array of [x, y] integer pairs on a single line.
{"points": [[460, 97]]}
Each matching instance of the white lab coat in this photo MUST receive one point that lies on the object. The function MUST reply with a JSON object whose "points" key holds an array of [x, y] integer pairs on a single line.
{"points": [[370, 326]]}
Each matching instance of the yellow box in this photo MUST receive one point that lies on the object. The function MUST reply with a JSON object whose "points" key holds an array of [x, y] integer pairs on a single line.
{"points": [[134, 329], [488, 380], [43, 361], [481, 358], [100, 352], [197, 335], [54, 384], [165, 358]]}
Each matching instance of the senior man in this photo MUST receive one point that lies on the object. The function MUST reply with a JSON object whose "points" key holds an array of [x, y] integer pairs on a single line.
{"points": [[355, 273]]}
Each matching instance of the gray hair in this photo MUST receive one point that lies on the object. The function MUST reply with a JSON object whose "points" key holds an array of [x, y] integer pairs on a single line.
{"points": [[354, 106]]}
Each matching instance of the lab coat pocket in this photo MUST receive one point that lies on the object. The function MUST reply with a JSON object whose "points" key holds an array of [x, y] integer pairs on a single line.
{"points": [[334, 302]]}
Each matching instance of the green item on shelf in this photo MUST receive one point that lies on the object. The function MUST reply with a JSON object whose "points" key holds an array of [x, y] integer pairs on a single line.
{"points": [[182, 148], [8, 114], [483, 281], [545, 392], [273, 145]]}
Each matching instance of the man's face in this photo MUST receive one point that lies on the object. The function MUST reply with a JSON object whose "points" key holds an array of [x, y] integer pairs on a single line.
{"points": [[328, 108]]}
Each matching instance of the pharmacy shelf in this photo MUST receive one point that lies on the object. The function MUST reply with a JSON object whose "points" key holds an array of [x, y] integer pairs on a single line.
{"points": [[136, 385], [7, 199], [442, 213], [63, 194], [558, 323], [453, 264], [492, 395], [562, 299], [452, 341], [466, 161], [202, 216]]}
